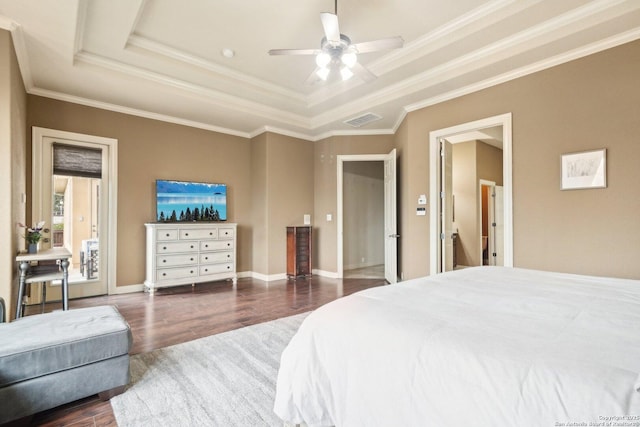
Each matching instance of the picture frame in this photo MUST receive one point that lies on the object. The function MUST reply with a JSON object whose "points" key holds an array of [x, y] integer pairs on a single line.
{"points": [[583, 170]]}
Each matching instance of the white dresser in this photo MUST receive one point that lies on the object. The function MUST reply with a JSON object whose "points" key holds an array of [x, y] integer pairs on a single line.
{"points": [[183, 253]]}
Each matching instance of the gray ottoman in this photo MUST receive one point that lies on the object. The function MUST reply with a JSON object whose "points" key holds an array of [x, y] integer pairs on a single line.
{"points": [[51, 359]]}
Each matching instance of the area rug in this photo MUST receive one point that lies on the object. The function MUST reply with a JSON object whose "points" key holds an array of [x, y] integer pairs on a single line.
{"points": [[228, 379]]}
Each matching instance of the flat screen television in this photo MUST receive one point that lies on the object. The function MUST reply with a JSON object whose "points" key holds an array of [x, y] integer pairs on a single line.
{"points": [[180, 201]]}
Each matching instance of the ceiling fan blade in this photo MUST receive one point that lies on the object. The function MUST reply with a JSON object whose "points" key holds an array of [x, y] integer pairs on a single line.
{"points": [[363, 72], [382, 44], [330, 25], [294, 51]]}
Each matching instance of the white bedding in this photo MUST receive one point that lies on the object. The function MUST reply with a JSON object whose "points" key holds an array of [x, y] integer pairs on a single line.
{"points": [[486, 346]]}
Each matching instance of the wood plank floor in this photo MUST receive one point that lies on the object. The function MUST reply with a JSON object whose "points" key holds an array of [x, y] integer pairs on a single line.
{"points": [[184, 313]]}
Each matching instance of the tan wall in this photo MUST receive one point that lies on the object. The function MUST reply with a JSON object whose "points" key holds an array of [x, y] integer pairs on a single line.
{"points": [[150, 150], [363, 212], [325, 185], [586, 104], [13, 112], [290, 193], [259, 205]]}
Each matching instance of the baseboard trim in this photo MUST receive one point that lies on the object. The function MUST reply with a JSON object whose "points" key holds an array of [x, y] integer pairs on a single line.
{"points": [[329, 274], [128, 289]]}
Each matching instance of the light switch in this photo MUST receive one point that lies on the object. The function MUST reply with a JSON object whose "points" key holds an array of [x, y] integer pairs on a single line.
{"points": [[307, 219], [422, 199], [329, 217]]}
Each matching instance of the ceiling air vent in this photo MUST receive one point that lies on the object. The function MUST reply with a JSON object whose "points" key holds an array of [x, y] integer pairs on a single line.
{"points": [[356, 122]]}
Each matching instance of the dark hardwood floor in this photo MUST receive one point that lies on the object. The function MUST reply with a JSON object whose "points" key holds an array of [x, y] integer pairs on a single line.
{"points": [[179, 314]]}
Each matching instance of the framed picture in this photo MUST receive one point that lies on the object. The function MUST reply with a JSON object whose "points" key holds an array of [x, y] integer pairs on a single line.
{"points": [[587, 169]]}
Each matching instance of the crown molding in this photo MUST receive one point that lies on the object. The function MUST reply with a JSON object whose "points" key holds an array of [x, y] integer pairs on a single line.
{"points": [[134, 112], [478, 59], [20, 47], [81, 20], [280, 131], [215, 97], [196, 61], [574, 54], [447, 33]]}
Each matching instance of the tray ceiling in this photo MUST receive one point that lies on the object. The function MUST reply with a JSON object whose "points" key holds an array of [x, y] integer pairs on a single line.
{"points": [[163, 58]]}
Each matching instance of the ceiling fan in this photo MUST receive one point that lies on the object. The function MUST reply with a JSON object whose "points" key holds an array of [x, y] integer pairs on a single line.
{"points": [[338, 53]]}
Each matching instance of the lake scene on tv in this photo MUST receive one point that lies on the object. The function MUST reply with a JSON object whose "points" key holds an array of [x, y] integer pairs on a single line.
{"points": [[178, 201]]}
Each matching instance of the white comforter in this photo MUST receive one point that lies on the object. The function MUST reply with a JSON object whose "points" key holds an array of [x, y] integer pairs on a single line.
{"points": [[486, 346]]}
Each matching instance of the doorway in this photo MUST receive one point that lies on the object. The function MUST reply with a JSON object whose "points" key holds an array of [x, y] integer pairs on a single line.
{"points": [[74, 191], [442, 207], [388, 234], [363, 219]]}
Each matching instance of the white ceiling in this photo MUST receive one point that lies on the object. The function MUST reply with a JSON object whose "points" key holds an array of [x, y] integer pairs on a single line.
{"points": [[162, 58]]}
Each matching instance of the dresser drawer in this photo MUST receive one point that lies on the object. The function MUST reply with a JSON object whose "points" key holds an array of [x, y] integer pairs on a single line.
{"points": [[177, 260], [214, 257], [216, 245], [189, 253], [167, 235], [177, 273], [215, 269], [175, 247], [209, 233], [226, 233]]}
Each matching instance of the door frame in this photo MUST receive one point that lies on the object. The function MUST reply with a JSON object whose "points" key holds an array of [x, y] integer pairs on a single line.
{"points": [[38, 136], [503, 120], [340, 159]]}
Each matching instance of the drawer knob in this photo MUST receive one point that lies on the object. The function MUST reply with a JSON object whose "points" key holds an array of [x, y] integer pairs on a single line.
{"points": [[228, 255], [186, 234], [191, 272], [190, 259], [167, 234], [206, 258], [211, 233], [164, 274], [206, 269], [206, 246], [191, 246], [164, 260], [228, 244], [228, 267], [164, 248]]}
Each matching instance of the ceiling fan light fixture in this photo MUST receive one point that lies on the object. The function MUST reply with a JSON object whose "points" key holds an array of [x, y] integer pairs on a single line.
{"points": [[323, 59], [346, 73], [322, 73], [349, 59]]}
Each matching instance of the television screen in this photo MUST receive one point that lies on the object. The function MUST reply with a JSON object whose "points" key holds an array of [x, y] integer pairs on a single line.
{"points": [[190, 201]]}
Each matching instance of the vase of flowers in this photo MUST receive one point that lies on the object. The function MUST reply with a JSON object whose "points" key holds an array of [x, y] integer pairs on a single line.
{"points": [[33, 235]]}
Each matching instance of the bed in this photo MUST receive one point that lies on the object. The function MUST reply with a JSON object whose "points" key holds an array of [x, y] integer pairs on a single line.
{"points": [[485, 346]]}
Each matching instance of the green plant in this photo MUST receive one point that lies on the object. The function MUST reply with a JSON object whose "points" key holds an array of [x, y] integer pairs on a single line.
{"points": [[33, 234]]}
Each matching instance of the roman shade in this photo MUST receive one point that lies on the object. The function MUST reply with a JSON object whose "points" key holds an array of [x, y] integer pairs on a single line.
{"points": [[71, 160]]}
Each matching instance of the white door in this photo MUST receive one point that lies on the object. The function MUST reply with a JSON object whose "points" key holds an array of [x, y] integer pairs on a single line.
{"points": [[390, 222], [85, 204], [446, 195], [498, 226]]}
